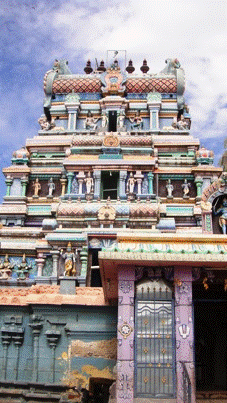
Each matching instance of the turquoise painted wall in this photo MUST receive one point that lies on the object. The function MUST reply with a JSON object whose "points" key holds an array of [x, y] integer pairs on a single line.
{"points": [[67, 324]]}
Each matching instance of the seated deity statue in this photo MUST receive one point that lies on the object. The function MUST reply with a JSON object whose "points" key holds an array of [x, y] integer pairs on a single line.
{"points": [[137, 121], [45, 124], [182, 124], [174, 123], [5, 268]]}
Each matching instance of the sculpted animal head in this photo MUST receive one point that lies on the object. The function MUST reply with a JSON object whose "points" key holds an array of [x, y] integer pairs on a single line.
{"points": [[172, 65], [61, 66]]}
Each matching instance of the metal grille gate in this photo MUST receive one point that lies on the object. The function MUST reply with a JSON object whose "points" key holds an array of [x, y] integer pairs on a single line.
{"points": [[154, 340]]}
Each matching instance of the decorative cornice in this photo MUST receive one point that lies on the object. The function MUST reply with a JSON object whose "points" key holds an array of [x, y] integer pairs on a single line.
{"points": [[153, 258], [46, 294], [17, 169]]}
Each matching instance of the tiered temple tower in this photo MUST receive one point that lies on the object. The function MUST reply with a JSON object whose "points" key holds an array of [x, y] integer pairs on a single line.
{"points": [[113, 246]]}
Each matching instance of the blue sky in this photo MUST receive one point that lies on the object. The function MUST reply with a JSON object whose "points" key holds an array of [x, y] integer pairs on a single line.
{"points": [[34, 33]]}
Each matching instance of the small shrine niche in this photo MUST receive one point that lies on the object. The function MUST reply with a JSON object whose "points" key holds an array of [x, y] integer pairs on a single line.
{"points": [[219, 215]]}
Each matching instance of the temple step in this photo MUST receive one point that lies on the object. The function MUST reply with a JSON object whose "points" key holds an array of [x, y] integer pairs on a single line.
{"points": [[148, 400], [211, 397], [219, 400]]}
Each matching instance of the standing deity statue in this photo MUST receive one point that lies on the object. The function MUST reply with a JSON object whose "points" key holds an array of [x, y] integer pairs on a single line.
{"points": [[185, 188], [90, 122], [137, 121], [105, 120], [37, 187], [89, 182], [223, 217], [169, 188], [51, 187], [70, 261], [120, 120], [130, 183]]}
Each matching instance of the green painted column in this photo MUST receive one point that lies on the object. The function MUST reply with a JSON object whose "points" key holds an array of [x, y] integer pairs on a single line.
{"points": [[24, 182], [150, 183], [8, 182], [83, 258], [70, 176], [199, 183]]}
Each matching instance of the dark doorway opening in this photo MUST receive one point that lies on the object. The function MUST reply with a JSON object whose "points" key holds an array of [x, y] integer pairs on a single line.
{"points": [[210, 326], [112, 121], [99, 389], [109, 181], [95, 272]]}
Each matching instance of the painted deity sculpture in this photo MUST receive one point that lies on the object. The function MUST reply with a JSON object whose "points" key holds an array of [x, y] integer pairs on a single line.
{"points": [[130, 183], [137, 121], [89, 182], [23, 269], [182, 123], [169, 188], [70, 261], [105, 120], [174, 123], [90, 122], [51, 187], [5, 268], [223, 217], [185, 188], [120, 121], [45, 124], [37, 187]]}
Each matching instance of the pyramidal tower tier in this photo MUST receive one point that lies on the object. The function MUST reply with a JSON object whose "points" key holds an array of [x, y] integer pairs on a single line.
{"points": [[114, 221]]}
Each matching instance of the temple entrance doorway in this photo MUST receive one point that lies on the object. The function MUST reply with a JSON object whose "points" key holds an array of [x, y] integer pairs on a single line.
{"points": [[154, 346], [210, 326]]}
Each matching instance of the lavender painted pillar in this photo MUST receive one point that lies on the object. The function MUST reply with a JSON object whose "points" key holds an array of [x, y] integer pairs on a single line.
{"points": [[125, 352], [184, 330]]}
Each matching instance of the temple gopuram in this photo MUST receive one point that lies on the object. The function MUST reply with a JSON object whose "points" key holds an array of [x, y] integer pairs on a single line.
{"points": [[113, 259]]}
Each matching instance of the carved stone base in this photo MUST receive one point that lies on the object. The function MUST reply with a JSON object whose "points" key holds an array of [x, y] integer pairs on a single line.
{"points": [[42, 280], [67, 285], [121, 129], [81, 281], [89, 196], [131, 196]]}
